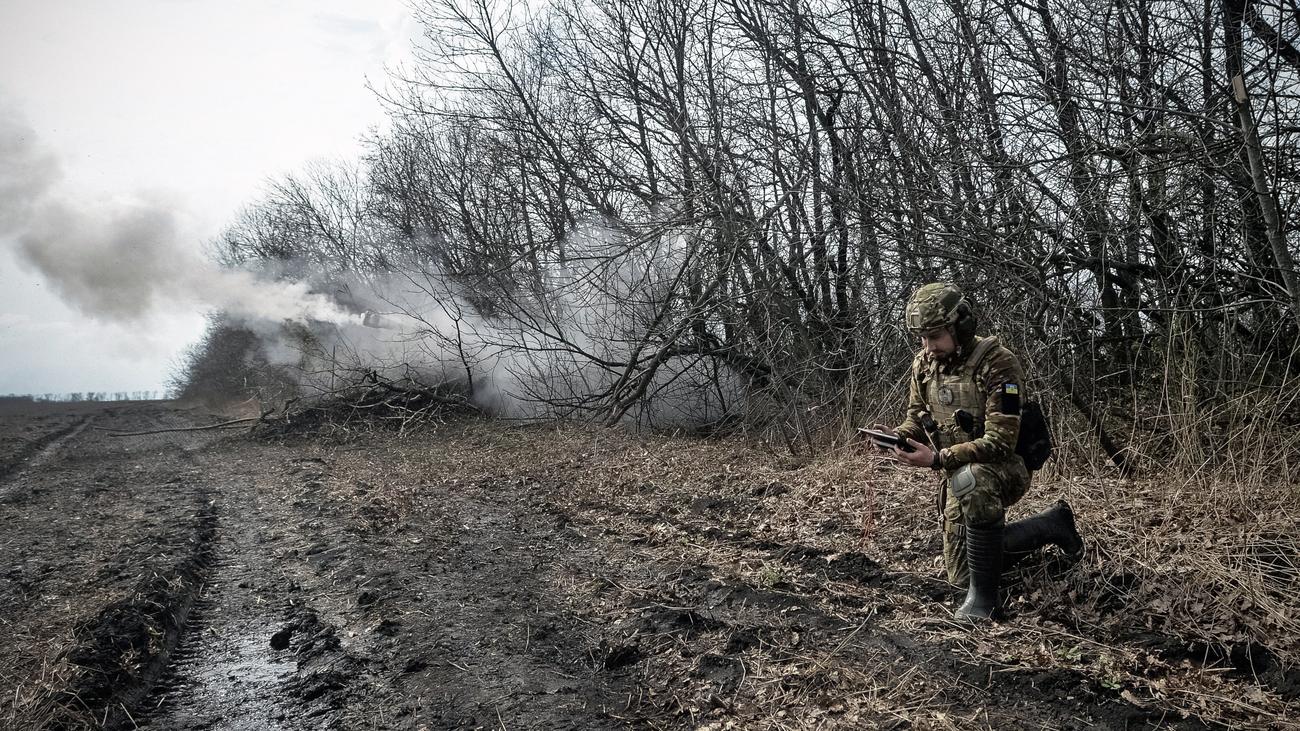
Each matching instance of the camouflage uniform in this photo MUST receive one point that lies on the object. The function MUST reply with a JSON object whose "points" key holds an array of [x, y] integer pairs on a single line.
{"points": [[982, 474], [966, 404]]}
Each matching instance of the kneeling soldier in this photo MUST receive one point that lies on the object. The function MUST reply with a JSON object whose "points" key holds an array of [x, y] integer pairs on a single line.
{"points": [[963, 420]]}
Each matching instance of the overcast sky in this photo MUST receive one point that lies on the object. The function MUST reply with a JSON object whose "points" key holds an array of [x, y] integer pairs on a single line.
{"points": [[192, 102]]}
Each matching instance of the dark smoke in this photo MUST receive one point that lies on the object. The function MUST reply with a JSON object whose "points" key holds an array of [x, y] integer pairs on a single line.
{"points": [[123, 259]]}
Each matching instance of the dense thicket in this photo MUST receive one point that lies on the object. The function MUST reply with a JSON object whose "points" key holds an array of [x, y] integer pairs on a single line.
{"points": [[229, 363], [1114, 183]]}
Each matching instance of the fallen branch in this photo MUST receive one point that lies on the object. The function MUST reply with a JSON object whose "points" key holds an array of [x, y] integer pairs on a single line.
{"points": [[223, 425]]}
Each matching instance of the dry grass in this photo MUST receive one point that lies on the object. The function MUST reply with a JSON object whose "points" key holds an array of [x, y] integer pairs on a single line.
{"points": [[1205, 546], [1184, 575], [1210, 561], [38, 670], [1181, 577]]}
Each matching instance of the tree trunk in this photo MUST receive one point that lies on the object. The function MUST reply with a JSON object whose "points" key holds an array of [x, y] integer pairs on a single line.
{"points": [[1233, 15]]}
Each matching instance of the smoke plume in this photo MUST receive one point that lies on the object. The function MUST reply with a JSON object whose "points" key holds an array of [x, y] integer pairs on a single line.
{"points": [[123, 259], [555, 351]]}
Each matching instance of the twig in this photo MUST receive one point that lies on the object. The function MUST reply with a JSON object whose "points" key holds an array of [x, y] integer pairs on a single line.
{"points": [[222, 425]]}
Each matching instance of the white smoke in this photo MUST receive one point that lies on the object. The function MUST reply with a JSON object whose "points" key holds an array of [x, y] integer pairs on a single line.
{"points": [[558, 348], [124, 259], [554, 351], [26, 172]]}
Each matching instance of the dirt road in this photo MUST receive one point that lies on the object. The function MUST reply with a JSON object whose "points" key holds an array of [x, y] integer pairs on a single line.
{"points": [[479, 576]]}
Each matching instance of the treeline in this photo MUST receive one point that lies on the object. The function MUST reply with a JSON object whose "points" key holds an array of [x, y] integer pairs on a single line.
{"points": [[228, 362], [1114, 183], [82, 396]]}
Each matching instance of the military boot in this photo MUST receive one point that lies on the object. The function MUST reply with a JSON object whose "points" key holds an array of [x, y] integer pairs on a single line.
{"points": [[1054, 526], [984, 559]]}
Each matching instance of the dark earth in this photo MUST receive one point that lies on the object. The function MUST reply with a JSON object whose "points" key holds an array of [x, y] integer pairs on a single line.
{"points": [[475, 575]]}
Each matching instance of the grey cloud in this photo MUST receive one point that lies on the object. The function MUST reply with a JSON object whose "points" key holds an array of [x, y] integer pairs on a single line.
{"points": [[123, 259], [26, 171], [112, 265]]}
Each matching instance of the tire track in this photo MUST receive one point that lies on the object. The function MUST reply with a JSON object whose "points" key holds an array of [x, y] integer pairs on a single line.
{"points": [[152, 527], [36, 454], [226, 673], [126, 647]]}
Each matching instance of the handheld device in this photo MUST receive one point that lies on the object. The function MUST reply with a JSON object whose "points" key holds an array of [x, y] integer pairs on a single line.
{"points": [[885, 440]]}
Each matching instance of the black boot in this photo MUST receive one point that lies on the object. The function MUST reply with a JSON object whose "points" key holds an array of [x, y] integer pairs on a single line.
{"points": [[984, 559], [1053, 526]]}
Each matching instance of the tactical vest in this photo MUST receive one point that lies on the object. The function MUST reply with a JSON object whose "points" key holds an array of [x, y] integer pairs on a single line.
{"points": [[959, 390]]}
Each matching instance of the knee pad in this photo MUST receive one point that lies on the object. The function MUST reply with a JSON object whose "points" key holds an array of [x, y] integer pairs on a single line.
{"points": [[962, 482], [978, 492]]}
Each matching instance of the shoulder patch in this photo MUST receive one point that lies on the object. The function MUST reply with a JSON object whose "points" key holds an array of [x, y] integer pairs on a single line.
{"points": [[1011, 399]]}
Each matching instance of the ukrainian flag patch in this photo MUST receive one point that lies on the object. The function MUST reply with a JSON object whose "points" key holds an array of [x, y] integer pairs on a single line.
{"points": [[1011, 399]]}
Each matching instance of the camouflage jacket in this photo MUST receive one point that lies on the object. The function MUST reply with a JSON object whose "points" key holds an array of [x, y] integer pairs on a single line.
{"points": [[991, 395]]}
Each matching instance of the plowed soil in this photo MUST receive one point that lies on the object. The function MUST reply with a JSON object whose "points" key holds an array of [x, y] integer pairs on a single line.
{"points": [[477, 575]]}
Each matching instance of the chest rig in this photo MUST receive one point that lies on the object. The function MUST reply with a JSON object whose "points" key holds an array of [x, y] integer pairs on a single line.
{"points": [[957, 390]]}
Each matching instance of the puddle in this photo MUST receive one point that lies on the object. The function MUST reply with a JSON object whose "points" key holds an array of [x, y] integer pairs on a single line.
{"points": [[226, 677]]}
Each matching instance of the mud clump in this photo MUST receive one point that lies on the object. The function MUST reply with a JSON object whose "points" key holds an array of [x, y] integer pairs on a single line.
{"points": [[847, 566], [280, 640], [125, 647], [325, 675]]}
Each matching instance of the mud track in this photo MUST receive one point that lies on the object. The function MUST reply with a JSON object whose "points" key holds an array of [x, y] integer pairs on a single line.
{"points": [[475, 577], [31, 454]]}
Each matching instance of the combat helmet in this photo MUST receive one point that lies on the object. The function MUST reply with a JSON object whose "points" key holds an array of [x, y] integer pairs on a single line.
{"points": [[937, 305]]}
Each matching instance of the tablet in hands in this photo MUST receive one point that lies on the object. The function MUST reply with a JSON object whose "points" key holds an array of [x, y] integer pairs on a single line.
{"points": [[885, 440]]}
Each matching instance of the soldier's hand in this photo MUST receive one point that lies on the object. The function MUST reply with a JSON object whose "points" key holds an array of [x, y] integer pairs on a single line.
{"points": [[888, 430], [920, 456]]}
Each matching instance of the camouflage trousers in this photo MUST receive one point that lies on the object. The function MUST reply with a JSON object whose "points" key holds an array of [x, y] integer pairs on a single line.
{"points": [[996, 487]]}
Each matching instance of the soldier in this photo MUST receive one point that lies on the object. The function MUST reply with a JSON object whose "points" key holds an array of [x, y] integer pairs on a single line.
{"points": [[963, 419]]}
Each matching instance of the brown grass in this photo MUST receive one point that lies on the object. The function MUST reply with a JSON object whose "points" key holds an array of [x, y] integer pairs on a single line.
{"points": [[1181, 576]]}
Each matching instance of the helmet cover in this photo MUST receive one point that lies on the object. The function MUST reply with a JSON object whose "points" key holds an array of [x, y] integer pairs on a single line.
{"points": [[934, 306]]}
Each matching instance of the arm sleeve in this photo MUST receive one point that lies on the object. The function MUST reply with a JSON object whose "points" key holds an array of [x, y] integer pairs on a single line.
{"points": [[1003, 383], [911, 427]]}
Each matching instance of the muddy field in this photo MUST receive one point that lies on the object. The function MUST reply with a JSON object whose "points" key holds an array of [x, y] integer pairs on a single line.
{"points": [[477, 575]]}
